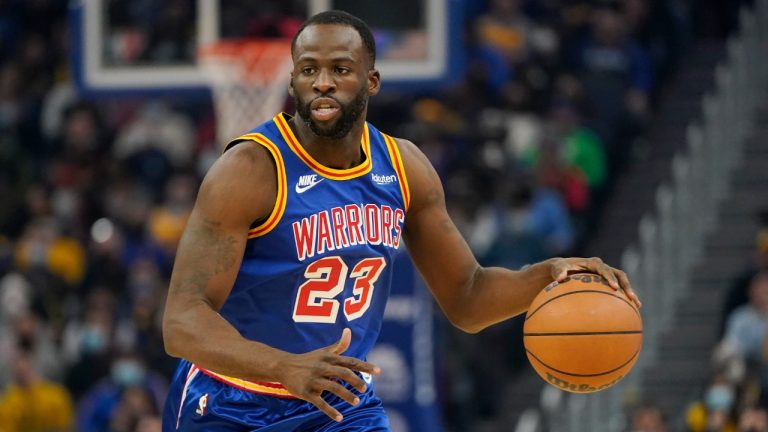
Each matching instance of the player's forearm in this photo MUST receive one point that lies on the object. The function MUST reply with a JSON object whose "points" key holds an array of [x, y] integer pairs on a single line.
{"points": [[199, 334], [497, 294]]}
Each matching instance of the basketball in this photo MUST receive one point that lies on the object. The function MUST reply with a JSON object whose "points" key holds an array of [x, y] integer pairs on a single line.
{"points": [[581, 335]]}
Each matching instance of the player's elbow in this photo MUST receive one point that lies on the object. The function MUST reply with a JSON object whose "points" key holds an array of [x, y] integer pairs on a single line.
{"points": [[465, 323], [174, 336], [470, 329]]}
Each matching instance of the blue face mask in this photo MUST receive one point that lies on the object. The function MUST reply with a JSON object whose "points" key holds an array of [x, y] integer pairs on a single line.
{"points": [[92, 340], [719, 397], [127, 372]]}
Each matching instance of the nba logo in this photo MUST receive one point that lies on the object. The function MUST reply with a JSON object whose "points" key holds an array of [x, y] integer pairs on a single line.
{"points": [[201, 404]]}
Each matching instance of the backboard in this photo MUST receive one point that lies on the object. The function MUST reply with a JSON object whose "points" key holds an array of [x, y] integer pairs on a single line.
{"points": [[129, 47]]}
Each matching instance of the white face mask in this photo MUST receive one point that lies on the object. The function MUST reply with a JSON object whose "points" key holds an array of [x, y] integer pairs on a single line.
{"points": [[127, 372], [92, 340], [719, 397]]}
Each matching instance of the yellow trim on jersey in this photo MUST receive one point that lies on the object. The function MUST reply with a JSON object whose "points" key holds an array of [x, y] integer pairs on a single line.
{"points": [[397, 164], [331, 173], [268, 388], [282, 189]]}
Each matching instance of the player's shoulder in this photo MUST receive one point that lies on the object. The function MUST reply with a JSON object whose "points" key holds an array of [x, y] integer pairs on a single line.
{"points": [[245, 178], [245, 155], [423, 182], [241, 166], [413, 157]]}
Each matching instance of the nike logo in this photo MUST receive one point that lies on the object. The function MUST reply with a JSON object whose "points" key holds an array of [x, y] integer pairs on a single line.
{"points": [[307, 182]]}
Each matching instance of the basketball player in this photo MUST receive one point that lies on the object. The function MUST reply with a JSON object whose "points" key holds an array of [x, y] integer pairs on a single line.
{"points": [[283, 271]]}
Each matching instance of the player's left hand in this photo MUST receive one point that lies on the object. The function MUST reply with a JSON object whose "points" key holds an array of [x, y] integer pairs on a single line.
{"points": [[617, 279]]}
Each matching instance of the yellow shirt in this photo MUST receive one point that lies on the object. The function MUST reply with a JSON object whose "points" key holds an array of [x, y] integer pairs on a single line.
{"points": [[41, 407]]}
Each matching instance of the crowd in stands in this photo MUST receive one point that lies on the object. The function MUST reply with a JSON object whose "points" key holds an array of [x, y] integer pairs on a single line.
{"points": [[95, 193], [736, 396]]}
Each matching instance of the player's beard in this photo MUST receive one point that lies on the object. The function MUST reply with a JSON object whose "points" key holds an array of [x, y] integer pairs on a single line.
{"points": [[349, 114]]}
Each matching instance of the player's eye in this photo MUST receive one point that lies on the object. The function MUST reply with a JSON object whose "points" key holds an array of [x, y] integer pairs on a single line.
{"points": [[342, 70], [308, 70]]}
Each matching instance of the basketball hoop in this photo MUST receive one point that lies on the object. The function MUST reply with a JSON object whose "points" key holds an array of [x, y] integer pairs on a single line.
{"points": [[249, 79]]}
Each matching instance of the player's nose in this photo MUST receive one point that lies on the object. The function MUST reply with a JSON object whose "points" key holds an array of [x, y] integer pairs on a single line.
{"points": [[324, 82]]}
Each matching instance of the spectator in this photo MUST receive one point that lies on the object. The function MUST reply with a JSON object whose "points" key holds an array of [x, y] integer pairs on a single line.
{"points": [[555, 174], [158, 127], [747, 325], [532, 225], [149, 423], [753, 419], [579, 146], [33, 404], [134, 406], [166, 221], [713, 412], [648, 417], [506, 30], [617, 75], [131, 391], [32, 333], [738, 292], [88, 343], [44, 248]]}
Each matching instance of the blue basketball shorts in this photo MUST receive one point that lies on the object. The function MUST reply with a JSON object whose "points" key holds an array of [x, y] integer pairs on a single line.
{"points": [[198, 400]]}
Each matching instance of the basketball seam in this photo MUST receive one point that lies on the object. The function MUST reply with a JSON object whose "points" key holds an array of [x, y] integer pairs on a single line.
{"points": [[584, 333], [584, 375], [578, 292]]}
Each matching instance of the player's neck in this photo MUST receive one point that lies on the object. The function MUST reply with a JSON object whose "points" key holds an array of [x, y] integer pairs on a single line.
{"points": [[342, 153]]}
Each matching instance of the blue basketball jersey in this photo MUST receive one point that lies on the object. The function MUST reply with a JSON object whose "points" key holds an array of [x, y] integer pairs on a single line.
{"points": [[322, 260]]}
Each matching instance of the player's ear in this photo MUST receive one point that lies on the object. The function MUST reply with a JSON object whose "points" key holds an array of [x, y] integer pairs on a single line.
{"points": [[374, 82], [290, 87]]}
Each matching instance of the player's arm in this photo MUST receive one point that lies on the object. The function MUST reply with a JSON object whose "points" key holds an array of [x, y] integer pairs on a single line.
{"points": [[239, 189], [474, 297]]}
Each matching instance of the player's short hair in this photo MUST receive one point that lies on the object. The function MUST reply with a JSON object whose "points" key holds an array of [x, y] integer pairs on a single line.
{"points": [[346, 19]]}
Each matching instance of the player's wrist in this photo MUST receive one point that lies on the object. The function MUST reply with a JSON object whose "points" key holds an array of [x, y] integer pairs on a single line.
{"points": [[271, 364], [276, 366], [542, 269]]}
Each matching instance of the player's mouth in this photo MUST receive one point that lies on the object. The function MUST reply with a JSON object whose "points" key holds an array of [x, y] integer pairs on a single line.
{"points": [[324, 109]]}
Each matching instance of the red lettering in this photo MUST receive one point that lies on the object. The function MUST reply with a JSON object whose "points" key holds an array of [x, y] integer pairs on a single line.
{"points": [[365, 273], [372, 224], [304, 237], [324, 236], [315, 298], [354, 222], [386, 225], [337, 217], [399, 219]]}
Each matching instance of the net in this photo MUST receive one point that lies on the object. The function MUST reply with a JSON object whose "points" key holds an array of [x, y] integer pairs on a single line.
{"points": [[249, 80]]}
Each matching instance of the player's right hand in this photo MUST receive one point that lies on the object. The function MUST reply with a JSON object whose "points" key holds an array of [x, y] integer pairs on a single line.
{"points": [[308, 375]]}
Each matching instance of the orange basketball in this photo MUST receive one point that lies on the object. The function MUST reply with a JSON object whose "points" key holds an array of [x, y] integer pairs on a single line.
{"points": [[582, 335]]}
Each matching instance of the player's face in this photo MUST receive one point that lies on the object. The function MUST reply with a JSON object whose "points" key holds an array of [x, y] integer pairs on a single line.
{"points": [[332, 79]]}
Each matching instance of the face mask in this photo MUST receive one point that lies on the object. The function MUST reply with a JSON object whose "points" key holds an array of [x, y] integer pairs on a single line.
{"points": [[38, 254], [719, 397], [127, 372], [92, 340]]}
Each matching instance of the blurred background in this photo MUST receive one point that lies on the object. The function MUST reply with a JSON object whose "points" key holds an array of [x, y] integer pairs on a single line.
{"points": [[632, 130]]}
